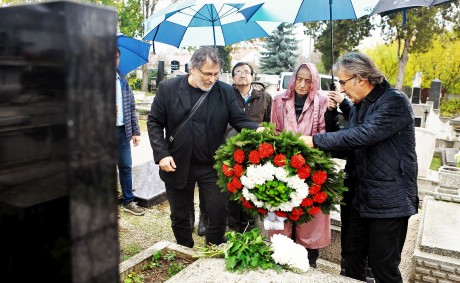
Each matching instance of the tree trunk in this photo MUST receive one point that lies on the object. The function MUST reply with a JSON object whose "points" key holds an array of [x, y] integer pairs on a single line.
{"points": [[402, 63], [145, 78]]}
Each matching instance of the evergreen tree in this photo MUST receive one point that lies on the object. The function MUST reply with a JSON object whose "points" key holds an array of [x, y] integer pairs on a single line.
{"points": [[224, 53], [281, 51]]}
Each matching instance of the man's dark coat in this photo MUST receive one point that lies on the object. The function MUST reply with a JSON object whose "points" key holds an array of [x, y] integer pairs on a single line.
{"points": [[171, 105]]}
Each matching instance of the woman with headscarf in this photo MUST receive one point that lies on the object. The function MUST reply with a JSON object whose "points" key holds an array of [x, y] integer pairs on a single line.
{"points": [[300, 109]]}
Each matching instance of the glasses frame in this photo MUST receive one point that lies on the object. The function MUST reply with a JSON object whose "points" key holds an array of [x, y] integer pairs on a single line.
{"points": [[209, 75], [245, 73], [343, 82]]}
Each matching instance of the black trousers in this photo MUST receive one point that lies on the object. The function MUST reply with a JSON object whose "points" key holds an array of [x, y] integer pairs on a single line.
{"points": [[383, 240], [238, 219], [181, 203]]}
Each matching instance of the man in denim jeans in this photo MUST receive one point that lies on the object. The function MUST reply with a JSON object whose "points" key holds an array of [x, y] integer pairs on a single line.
{"points": [[127, 128]]}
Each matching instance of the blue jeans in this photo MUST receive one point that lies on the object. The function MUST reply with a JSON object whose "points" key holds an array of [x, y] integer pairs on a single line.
{"points": [[125, 166]]}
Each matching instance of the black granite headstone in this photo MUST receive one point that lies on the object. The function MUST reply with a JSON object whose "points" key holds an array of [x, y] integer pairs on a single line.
{"points": [[416, 94], [175, 65], [435, 93], [58, 207], [161, 72]]}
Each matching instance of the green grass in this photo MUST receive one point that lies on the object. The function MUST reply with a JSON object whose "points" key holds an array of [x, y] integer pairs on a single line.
{"points": [[435, 163], [131, 250]]}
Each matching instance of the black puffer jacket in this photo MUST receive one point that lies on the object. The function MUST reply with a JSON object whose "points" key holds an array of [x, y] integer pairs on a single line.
{"points": [[381, 137]]}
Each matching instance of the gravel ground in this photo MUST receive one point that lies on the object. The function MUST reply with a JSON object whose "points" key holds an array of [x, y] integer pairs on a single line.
{"points": [[140, 232]]}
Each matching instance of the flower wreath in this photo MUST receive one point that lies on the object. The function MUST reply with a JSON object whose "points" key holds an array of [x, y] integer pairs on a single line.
{"points": [[269, 172]]}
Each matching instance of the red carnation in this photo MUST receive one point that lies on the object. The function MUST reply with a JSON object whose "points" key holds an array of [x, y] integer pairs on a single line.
{"points": [[294, 217], [314, 189], [320, 197], [254, 157], [231, 187], [319, 177], [304, 172], [314, 210], [262, 211], [266, 149], [238, 156], [306, 202], [227, 170], [238, 170], [297, 211], [237, 183], [279, 160], [246, 203], [297, 161], [280, 213]]}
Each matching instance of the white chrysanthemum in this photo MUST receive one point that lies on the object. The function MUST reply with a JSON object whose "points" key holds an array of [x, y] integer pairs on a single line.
{"points": [[260, 174], [286, 252]]}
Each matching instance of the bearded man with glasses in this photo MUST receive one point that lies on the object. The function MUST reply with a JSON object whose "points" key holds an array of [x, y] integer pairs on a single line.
{"points": [[379, 141], [188, 158]]}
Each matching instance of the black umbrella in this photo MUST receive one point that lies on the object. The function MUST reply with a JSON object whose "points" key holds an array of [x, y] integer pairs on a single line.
{"points": [[385, 7]]}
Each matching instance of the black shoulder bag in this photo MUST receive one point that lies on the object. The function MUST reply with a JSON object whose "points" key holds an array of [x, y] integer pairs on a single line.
{"points": [[186, 118]]}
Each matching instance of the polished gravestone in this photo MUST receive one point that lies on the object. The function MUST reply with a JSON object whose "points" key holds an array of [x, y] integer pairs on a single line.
{"points": [[435, 93], [416, 95], [58, 206]]}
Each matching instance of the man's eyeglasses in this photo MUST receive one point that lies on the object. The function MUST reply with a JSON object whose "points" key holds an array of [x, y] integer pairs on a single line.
{"points": [[244, 73], [209, 75], [343, 82]]}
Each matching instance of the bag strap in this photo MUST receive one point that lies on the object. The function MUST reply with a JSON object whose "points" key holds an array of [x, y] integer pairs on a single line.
{"points": [[186, 118]]}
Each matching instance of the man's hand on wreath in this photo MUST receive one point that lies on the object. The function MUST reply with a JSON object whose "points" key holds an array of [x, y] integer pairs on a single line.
{"points": [[308, 140], [167, 164], [260, 129]]}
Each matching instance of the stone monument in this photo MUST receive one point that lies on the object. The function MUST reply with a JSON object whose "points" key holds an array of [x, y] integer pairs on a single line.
{"points": [[435, 93], [58, 208]]}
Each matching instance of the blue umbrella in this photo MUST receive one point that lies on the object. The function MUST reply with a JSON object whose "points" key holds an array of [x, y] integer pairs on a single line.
{"points": [[299, 11], [205, 22], [133, 53]]}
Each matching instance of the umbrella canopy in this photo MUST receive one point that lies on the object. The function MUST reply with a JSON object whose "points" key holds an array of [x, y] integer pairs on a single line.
{"points": [[205, 22], [299, 11], [385, 7], [133, 53]]}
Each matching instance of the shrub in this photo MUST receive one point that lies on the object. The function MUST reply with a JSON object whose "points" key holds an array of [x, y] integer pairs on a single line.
{"points": [[450, 108]]}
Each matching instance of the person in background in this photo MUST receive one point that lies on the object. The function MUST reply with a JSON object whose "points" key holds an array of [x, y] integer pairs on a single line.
{"points": [[380, 137], [127, 129], [300, 109], [189, 158], [257, 105]]}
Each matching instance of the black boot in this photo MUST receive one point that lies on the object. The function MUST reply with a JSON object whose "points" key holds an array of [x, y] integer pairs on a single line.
{"points": [[192, 219], [203, 224], [342, 266], [313, 255]]}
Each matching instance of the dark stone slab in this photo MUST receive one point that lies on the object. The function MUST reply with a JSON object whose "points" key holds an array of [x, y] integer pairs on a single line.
{"points": [[58, 212], [435, 93], [416, 95]]}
